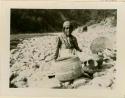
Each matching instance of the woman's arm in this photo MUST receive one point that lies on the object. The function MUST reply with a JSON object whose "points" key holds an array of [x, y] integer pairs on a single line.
{"points": [[76, 45], [57, 48]]}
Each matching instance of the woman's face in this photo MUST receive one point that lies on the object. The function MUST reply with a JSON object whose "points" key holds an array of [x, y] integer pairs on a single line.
{"points": [[68, 30]]}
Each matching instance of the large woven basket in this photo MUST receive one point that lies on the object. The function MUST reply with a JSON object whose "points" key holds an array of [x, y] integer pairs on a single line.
{"points": [[67, 69]]}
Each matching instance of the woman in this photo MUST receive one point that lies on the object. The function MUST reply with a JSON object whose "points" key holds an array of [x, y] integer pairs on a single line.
{"points": [[66, 43]]}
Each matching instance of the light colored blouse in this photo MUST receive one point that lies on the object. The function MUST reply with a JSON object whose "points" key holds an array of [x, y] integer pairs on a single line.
{"points": [[66, 46]]}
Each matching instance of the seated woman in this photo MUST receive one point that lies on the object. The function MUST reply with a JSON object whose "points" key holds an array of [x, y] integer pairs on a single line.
{"points": [[66, 43]]}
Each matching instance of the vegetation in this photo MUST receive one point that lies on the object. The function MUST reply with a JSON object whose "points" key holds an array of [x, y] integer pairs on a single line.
{"points": [[50, 20]]}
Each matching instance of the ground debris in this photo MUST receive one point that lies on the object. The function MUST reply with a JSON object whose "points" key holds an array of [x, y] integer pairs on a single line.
{"points": [[31, 61]]}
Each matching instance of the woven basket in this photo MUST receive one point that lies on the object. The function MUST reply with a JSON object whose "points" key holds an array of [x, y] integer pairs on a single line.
{"points": [[100, 44], [67, 69]]}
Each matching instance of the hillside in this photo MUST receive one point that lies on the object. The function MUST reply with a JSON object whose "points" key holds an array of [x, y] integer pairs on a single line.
{"points": [[31, 59], [50, 20]]}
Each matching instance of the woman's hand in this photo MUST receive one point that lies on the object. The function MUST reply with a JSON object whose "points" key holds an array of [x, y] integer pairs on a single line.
{"points": [[80, 50]]}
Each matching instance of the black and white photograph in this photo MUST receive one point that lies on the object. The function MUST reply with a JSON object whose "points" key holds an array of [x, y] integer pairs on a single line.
{"points": [[63, 48]]}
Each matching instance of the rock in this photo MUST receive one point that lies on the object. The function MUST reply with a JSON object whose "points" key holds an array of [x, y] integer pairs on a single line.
{"points": [[80, 82], [45, 83]]}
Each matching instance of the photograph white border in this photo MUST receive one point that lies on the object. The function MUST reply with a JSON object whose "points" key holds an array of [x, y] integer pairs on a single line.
{"points": [[40, 92]]}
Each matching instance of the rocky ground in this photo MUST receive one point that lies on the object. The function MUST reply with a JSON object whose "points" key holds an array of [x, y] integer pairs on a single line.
{"points": [[31, 60]]}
